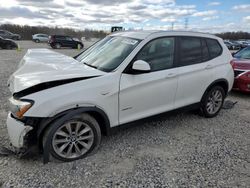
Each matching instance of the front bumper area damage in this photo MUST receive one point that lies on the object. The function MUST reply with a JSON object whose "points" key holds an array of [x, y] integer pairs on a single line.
{"points": [[19, 133], [24, 137]]}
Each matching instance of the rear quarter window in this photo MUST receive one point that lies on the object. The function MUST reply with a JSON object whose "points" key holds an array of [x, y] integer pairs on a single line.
{"points": [[214, 48]]}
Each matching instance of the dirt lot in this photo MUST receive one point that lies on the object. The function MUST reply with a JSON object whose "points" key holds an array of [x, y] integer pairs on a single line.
{"points": [[181, 150]]}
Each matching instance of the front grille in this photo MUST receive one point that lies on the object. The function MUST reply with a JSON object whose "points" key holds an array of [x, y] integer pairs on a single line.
{"points": [[237, 72]]}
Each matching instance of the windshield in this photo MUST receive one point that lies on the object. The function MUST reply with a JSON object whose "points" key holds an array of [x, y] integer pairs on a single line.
{"points": [[243, 54], [109, 53]]}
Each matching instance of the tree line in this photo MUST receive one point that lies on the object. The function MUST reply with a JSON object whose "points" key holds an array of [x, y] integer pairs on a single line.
{"points": [[234, 35], [26, 31]]}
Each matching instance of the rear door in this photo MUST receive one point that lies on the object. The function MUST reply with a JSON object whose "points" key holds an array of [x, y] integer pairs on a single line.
{"points": [[195, 71], [44, 38], [60, 39], [147, 94]]}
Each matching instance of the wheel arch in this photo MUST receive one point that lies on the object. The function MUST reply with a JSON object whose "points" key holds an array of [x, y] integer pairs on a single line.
{"points": [[220, 82], [97, 113]]}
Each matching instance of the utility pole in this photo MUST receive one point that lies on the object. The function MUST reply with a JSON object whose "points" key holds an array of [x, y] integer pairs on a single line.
{"points": [[186, 23], [172, 26]]}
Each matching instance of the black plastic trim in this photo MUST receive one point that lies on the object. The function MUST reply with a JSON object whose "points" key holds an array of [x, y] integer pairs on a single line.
{"points": [[156, 117], [214, 83], [47, 85], [72, 112]]}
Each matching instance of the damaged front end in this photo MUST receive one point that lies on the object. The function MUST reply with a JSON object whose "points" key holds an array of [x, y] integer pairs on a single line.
{"points": [[22, 130]]}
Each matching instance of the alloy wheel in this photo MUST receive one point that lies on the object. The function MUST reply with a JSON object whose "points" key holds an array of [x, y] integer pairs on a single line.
{"points": [[214, 102], [73, 139]]}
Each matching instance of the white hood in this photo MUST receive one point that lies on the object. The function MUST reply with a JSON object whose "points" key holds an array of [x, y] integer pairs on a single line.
{"points": [[43, 65]]}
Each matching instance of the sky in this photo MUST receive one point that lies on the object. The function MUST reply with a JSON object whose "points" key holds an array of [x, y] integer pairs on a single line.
{"points": [[196, 15]]}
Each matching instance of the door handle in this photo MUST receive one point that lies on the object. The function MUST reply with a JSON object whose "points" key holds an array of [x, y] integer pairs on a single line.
{"points": [[171, 75], [209, 67]]}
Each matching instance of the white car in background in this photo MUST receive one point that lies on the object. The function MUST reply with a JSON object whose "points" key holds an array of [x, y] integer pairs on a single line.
{"points": [[64, 104], [40, 38]]}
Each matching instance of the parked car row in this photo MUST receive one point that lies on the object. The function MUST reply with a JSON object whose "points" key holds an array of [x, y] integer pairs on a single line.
{"points": [[55, 41], [237, 45]]}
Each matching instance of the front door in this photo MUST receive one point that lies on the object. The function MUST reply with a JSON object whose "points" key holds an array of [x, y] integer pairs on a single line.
{"points": [[147, 94]]}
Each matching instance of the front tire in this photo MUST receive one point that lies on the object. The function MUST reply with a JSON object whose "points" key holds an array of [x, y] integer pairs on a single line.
{"points": [[212, 102], [74, 138]]}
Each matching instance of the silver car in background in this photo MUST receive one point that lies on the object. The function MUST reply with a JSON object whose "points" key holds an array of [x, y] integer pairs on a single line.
{"points": [[40, 38]]}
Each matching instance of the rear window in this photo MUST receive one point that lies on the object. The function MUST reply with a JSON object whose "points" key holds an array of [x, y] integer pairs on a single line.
{"points": [[214, 47]]}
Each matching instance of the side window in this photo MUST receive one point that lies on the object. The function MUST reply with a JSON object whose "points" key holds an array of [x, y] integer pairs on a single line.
{"points": [[60, 37], [68, 38], [159, 54], [190, 51], [214, 48]]}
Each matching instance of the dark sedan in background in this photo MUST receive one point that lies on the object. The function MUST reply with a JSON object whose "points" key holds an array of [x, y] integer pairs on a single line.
{"points": [[8, 35], [241, 66], [59, 41], [7, 43]]}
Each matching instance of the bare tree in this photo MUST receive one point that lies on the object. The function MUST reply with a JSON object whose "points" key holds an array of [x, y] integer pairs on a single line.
{"points": [[26, 32], [234, 35]]}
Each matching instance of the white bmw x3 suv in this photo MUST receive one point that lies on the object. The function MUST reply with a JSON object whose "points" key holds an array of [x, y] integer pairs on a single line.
{"points": [[64, 104]]}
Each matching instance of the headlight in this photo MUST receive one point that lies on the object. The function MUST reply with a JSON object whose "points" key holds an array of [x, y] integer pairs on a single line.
{"points": [[19, 107]]}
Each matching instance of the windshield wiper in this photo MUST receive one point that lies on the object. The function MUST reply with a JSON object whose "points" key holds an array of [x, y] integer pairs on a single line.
{"points": [[93, 66]]}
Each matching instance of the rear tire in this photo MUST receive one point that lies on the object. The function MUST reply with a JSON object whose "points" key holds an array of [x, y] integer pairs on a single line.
{"points": [[74, 138], [37, 40], [212, 102]]}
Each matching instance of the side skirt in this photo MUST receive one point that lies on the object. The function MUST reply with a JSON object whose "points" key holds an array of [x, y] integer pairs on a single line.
{"points": [[157, 117]]}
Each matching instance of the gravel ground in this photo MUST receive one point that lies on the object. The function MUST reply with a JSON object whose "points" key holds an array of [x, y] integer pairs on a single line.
{"points": [[181, 150]]}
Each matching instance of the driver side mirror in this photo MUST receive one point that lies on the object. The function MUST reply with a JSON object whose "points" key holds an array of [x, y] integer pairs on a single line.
{"points": [[140, 66]]}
